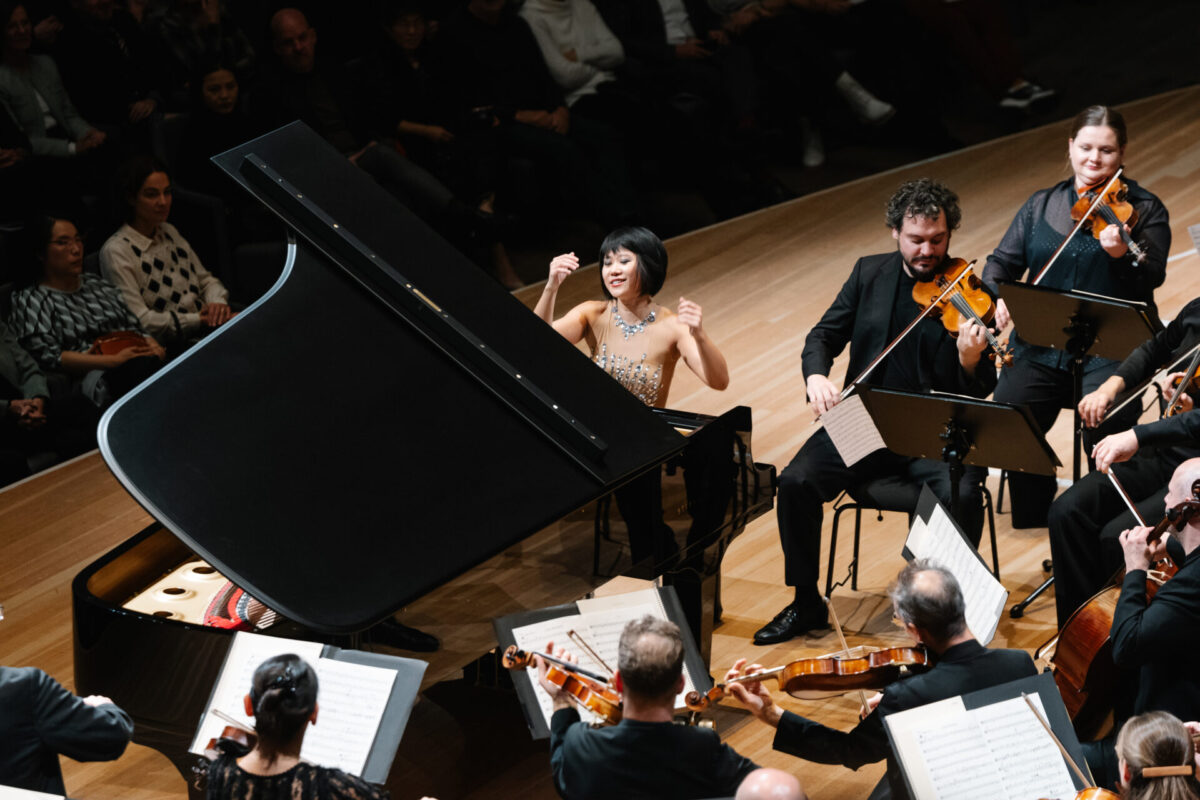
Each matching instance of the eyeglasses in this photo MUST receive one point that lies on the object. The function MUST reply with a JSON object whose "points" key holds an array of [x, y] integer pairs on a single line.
{"points": [[66, 241]]}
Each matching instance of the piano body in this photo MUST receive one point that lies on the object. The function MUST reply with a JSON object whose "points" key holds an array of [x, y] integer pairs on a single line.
{"points": [[386, 433]]}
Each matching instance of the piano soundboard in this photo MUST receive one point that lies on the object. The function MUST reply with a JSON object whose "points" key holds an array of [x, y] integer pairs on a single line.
{"points": [[183, 594]]}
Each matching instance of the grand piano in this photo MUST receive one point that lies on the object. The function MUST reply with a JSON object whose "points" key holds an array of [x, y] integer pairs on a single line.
{"points": [[387, 434]]}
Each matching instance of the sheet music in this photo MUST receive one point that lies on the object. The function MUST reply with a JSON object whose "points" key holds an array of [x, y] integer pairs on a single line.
{"points": [[950, 753], [599, 623], [1026, 756], [352, 698], [852, 430], [13, 793], [940, 540]]}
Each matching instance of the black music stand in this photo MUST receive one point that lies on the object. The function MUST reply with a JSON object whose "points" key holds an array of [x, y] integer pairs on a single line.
{"points": [[1095, 325], [963, 430]]}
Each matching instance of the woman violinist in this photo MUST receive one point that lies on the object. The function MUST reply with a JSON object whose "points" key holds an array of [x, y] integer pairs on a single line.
{"points": [[1101, 263]]}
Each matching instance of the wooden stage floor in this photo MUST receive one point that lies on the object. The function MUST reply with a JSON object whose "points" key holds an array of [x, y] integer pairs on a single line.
{"points": [[762, 280]]}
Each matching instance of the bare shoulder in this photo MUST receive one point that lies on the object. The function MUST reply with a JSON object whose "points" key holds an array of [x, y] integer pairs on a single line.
{"points": [[590, 310]]}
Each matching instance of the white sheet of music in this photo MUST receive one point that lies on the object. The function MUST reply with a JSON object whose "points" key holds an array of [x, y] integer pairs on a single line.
{"points": [[852, 430], [12, 793], [950, 753], [352, 700], [940, 541]]}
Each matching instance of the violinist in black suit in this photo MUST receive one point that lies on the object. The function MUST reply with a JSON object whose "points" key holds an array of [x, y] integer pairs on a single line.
{"points": [[928, 601], [873, 307]]}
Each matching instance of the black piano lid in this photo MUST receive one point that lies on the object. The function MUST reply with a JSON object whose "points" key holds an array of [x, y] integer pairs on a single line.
{"points": [[385, 418]]}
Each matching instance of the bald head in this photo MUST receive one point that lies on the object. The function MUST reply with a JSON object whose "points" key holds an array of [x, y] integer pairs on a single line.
{"points": [[927, 596], [294, 40], [1179, 490], [770, 784]]}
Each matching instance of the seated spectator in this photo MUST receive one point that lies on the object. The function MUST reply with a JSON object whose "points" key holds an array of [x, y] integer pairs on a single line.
{"points": [[199, 32], [16, 170], [40, 720], [218, 122], [60, 318], [33, 91], [30, 421], [110, 68], [283, 702], [495, 66], [160, 277], [300, 86]]}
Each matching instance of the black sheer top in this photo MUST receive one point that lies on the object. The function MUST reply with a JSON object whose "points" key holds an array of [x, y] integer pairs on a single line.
{"points": [[228, 781]]}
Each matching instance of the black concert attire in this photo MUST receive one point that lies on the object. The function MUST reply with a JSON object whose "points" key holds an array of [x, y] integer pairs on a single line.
{"points": [[1039, 376], [873, 306], [228, 781], [1086, 521], [965, 667], [39, 720], [637, 760], [1148, 640]]}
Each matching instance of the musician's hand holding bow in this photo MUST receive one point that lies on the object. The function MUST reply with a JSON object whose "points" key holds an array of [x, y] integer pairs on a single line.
{"points": [[822, 394], [557, 696], [1114, 449], [972, 340], [1139, 553], [1094, 405], [752, 694], [1002, 317], [872, 703]]}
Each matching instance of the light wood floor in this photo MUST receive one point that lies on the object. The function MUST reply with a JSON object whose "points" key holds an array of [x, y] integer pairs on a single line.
{"points": [[763, 280]]}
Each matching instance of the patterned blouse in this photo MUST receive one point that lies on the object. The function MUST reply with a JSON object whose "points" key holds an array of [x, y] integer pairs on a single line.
{"points": [[49, 321], [228, 781]]}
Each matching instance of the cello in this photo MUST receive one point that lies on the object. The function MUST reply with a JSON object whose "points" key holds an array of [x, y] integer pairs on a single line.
{"points": [[1080, 654]]}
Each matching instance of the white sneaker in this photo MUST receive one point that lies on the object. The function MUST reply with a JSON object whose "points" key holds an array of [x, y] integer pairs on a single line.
{"points": [[866, 106], [812, 148]]}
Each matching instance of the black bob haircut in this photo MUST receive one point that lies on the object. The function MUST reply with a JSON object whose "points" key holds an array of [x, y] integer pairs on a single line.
{"points": [[651, 257]]}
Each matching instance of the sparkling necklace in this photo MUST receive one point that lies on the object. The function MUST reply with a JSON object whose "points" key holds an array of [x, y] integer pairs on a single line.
{"points": [[635, 328]]}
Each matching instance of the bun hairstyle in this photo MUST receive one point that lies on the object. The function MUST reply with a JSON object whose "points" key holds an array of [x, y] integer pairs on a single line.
{"points": [[1158, 750], [283, 693]]}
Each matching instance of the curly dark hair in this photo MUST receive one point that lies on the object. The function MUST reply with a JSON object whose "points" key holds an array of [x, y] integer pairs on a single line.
{"points": [[923, 198]]}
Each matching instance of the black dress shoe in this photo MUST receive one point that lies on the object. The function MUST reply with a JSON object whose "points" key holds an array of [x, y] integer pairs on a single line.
{"points": [[792, 621], [402, 637]]}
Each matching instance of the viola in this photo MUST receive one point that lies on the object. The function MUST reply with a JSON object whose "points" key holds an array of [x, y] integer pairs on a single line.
{"points": [[234, 740], [1189, 380], [860, 668], [1113, 209], [583, 688], [967, 300], [1081, 653]]}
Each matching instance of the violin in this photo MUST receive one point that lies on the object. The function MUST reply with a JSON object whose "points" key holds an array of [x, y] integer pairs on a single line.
{"points": [[1113, 209], [1081, 653], [234, 740], [584, 688], [859, 668], [967, 300], [1189, 380]]}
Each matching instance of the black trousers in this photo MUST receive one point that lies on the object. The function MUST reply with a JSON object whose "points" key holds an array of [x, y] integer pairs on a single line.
{"points": [[1087, 521], [1047, 391], [817, 474]]}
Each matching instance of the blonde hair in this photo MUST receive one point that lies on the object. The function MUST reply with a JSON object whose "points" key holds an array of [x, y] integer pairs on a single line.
{"points": [[1158, 739]]}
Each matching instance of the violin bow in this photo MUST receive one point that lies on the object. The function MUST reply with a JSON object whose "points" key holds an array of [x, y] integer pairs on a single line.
{"points": [[579, 640], [1141, 387], [1099, 199], [1067, 756], [837, 626], [862, 376], [1112, 476]]}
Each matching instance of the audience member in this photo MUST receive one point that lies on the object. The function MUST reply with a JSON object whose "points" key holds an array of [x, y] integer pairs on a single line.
{"points": [[200, 32], [646, 754], [31, 422], [16, 170], [160, 277], [1157, 759], [60, 318], [33, 91], [283, 702], [770, 784], [110, 68], [40, 720]]}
